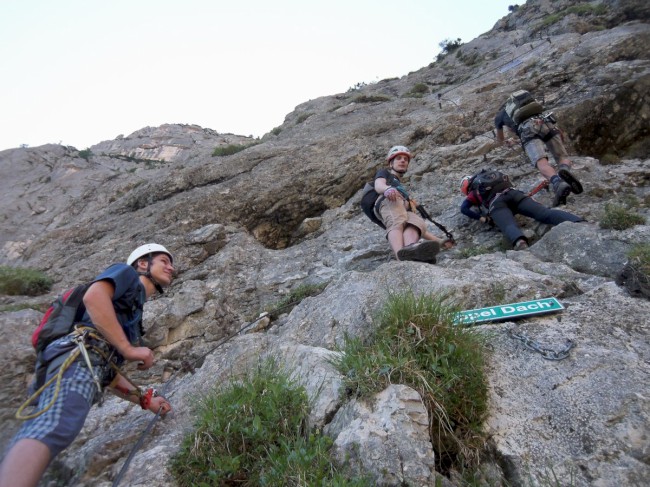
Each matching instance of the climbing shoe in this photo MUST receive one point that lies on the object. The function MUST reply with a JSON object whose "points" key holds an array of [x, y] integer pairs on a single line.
{"points": [[521, 244], [422, 252], [562, 190], [570, 179]]}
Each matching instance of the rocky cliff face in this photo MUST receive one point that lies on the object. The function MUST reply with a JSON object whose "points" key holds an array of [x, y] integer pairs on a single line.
{"points": [[249, 227]]}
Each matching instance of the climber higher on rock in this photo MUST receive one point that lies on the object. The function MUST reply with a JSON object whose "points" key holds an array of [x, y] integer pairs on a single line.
{"points": [[538, 131]]}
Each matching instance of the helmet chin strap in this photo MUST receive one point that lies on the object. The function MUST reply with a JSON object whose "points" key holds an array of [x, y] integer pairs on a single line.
{"points": [[401, 173], [150, 277]]}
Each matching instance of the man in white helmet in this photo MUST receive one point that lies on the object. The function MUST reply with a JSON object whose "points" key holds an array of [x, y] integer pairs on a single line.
{"points": [[113, 306], [404, 227]]}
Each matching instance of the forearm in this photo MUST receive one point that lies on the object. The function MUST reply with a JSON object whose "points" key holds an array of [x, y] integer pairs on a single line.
{"points": [[500, 136], [466, 209], [381, 185], [148, 400], [123, 389]]}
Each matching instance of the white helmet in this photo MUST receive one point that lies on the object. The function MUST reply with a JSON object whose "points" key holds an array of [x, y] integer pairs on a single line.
{"points": [[147, 249], [397, 150]]}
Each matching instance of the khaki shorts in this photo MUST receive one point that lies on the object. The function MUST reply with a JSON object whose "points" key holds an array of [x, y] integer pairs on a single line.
{"points": [[396, 217], [532, 132]]}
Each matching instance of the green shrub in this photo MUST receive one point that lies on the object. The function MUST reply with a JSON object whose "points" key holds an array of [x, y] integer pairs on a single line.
{"points": [[618, 217], [581, 9], [640, 256], [291, 300], [254, 432], [357, 86], [230, 149], [85, 154], [302, 117], [472, 251], [370, 98], [420, 88], [610, 159], [19, 307], [417, 344], [276, 130], [448, 46], [18, 281]]}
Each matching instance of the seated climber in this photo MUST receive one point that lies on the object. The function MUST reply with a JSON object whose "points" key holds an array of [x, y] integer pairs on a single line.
{"points": [[404, 227], [492, 192], [525, 116]]}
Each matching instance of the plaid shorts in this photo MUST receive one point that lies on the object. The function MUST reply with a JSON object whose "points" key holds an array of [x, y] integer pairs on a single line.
{"points": [[61, 423]]}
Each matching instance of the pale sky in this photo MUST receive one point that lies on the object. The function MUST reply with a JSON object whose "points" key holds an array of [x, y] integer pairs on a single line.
{"points": [[78, 72]]}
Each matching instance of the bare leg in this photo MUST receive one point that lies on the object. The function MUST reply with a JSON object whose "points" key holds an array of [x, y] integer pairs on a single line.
{"points": [[411, 235], [545, 168], [24, 464], [395, 240]]}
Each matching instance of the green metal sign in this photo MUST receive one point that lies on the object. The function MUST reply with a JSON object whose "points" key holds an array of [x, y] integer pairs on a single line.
{"points": [[508, 311]]}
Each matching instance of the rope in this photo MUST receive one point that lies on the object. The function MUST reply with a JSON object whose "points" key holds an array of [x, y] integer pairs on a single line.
{"points": [[81, 333], [59, 375]]}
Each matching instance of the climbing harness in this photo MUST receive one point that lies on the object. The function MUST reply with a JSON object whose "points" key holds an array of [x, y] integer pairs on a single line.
{"points": [[80, 339], [546, 353], [86, 339]]}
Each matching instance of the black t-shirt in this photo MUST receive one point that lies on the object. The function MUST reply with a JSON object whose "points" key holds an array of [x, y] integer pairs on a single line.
{"points": [[128, 299], [502, 119], [392, 180]]}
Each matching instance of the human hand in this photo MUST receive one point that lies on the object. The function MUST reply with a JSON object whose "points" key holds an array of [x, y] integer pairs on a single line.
{"points": [[159, 403], [143, 355], [392, 194], [447, 244]]}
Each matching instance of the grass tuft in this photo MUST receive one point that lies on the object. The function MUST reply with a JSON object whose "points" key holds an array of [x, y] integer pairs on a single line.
{"points": [[291, 300], [416, 344], [640, 256], [619, 217], [254, 432], [230, 149]]}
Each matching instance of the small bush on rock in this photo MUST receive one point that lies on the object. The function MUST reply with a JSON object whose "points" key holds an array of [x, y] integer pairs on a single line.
{"points": [[17, 281], [254, 432], [230, 149], [618, 217], [417, 344], [296, 295]]}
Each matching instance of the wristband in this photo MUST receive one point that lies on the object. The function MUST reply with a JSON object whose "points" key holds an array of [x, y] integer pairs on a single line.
{"points": [[145, 399]]}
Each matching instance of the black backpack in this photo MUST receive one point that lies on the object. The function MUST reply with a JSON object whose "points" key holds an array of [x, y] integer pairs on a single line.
{"points": [[521, 105], [368, 201], [489, 182]]}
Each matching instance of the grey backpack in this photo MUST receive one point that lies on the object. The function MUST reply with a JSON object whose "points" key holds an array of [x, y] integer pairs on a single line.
{"points": [[521, 105]]}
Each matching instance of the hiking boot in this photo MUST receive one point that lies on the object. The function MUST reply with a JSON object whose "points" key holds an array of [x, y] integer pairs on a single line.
{"points": [[521, 244], [562, 190], [570, 179], [422, 252]]}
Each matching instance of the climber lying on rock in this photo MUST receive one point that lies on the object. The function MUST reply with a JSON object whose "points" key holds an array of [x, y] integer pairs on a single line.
{"points": [[492, 192]]}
